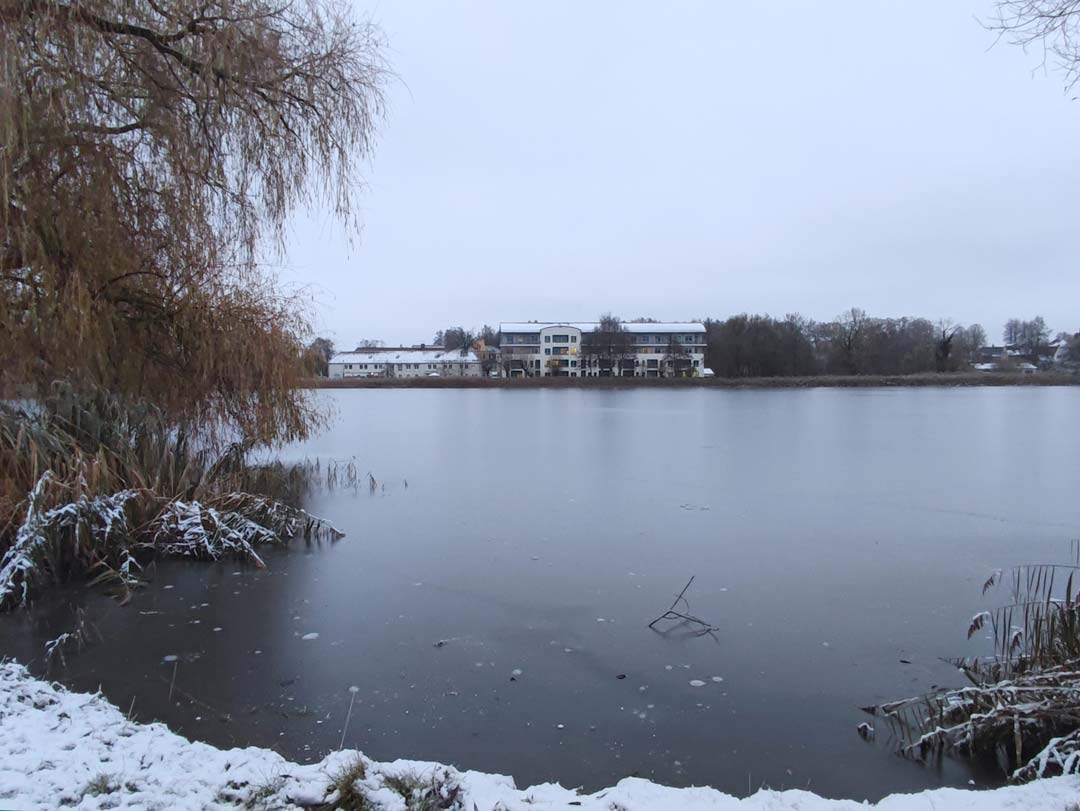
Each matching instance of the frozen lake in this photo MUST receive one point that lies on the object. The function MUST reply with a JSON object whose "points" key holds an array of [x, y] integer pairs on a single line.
{"points": [[493, 610]]}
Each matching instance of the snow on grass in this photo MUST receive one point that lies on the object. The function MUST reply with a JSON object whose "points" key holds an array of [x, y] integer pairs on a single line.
{"points": [[102, 516], [73, 750]]}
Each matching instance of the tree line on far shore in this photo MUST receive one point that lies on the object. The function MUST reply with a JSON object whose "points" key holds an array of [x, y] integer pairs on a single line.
{"points": [[856, 343], [748, 345]]}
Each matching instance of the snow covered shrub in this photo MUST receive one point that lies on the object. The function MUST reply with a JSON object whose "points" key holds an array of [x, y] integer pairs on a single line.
{"points": [[52, 539], [101, 784], [440, 791], [107, 487], [1023, 705], [346, 790]]}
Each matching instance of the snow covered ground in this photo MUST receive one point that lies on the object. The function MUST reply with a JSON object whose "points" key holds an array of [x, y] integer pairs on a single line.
{"points": [[62, 749]]}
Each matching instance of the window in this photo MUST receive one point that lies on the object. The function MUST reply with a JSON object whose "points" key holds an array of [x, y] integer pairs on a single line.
{"points": [[547, 350], [573, 363], [573, 339], [695, 364], [547, 339], [348, 365], [561, 339]]}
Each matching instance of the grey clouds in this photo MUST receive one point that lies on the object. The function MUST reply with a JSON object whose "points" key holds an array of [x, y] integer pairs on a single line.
{"points": [[556, 160]]}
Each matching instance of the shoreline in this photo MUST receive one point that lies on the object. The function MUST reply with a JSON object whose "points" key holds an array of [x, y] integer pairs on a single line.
{"points": [[62, 748], [922, 380]]}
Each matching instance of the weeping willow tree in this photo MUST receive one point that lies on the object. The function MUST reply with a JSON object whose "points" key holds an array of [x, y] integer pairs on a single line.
{"points": [[151, 151]]}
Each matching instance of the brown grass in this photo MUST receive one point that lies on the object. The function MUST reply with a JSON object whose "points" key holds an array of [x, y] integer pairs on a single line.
{"points": [[91, 487], [1023, 706]]}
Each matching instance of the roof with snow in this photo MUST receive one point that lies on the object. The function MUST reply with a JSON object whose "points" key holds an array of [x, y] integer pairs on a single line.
{"points": [[589, 326], [429, 355]]}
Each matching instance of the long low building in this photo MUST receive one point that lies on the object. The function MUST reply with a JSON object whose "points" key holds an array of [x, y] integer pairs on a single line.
{"points": [[431, 361], [584, 349]]}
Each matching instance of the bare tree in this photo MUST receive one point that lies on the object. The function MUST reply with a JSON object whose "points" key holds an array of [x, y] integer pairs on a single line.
{"points": [[1034, 335], [943, 345], [849, 336], [676, 361], [604, 350], [1011, 335], [968, 342], [609, 323], [319, 353], [795, 331], [456, 338], [1029, 336], [1052, 26], [976, 337]]}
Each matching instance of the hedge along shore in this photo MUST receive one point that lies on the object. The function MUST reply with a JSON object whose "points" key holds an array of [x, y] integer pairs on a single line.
{"points": [[924, 380], [61, 749]]}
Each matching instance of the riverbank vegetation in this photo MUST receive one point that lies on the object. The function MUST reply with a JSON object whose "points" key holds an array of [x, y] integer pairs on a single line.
{"points": [[1022, 708], [112, 487], [153, 153]]}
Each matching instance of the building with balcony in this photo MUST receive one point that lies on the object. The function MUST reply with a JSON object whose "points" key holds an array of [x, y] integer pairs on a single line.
{"points": [[583, 349], [431, 361]]}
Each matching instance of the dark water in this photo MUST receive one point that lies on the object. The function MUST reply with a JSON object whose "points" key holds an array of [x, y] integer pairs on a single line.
{"points": [[832, 533]]}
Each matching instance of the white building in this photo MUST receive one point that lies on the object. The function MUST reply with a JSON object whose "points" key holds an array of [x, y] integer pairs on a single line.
{"points": [[431, 361], [581, 349]]}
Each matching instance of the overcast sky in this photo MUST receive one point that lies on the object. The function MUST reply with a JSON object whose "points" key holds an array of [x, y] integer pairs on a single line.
{"points": [[554, 160]]}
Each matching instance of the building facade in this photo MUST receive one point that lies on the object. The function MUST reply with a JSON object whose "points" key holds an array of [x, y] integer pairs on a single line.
{"points": [[583, 349], [431, 361]]}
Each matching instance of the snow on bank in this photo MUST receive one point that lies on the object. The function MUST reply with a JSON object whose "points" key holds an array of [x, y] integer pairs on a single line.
{"points": [[63, 749]]}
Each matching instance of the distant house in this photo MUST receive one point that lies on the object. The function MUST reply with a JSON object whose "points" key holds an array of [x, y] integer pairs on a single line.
{"points": [[1014, 358], [401, 361]]}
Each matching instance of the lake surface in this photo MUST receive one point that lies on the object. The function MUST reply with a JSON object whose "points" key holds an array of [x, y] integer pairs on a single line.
{"points": [[491, 598]]}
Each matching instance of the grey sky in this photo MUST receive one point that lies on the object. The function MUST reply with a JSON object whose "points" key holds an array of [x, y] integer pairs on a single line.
{"points": [[691, 159]]}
